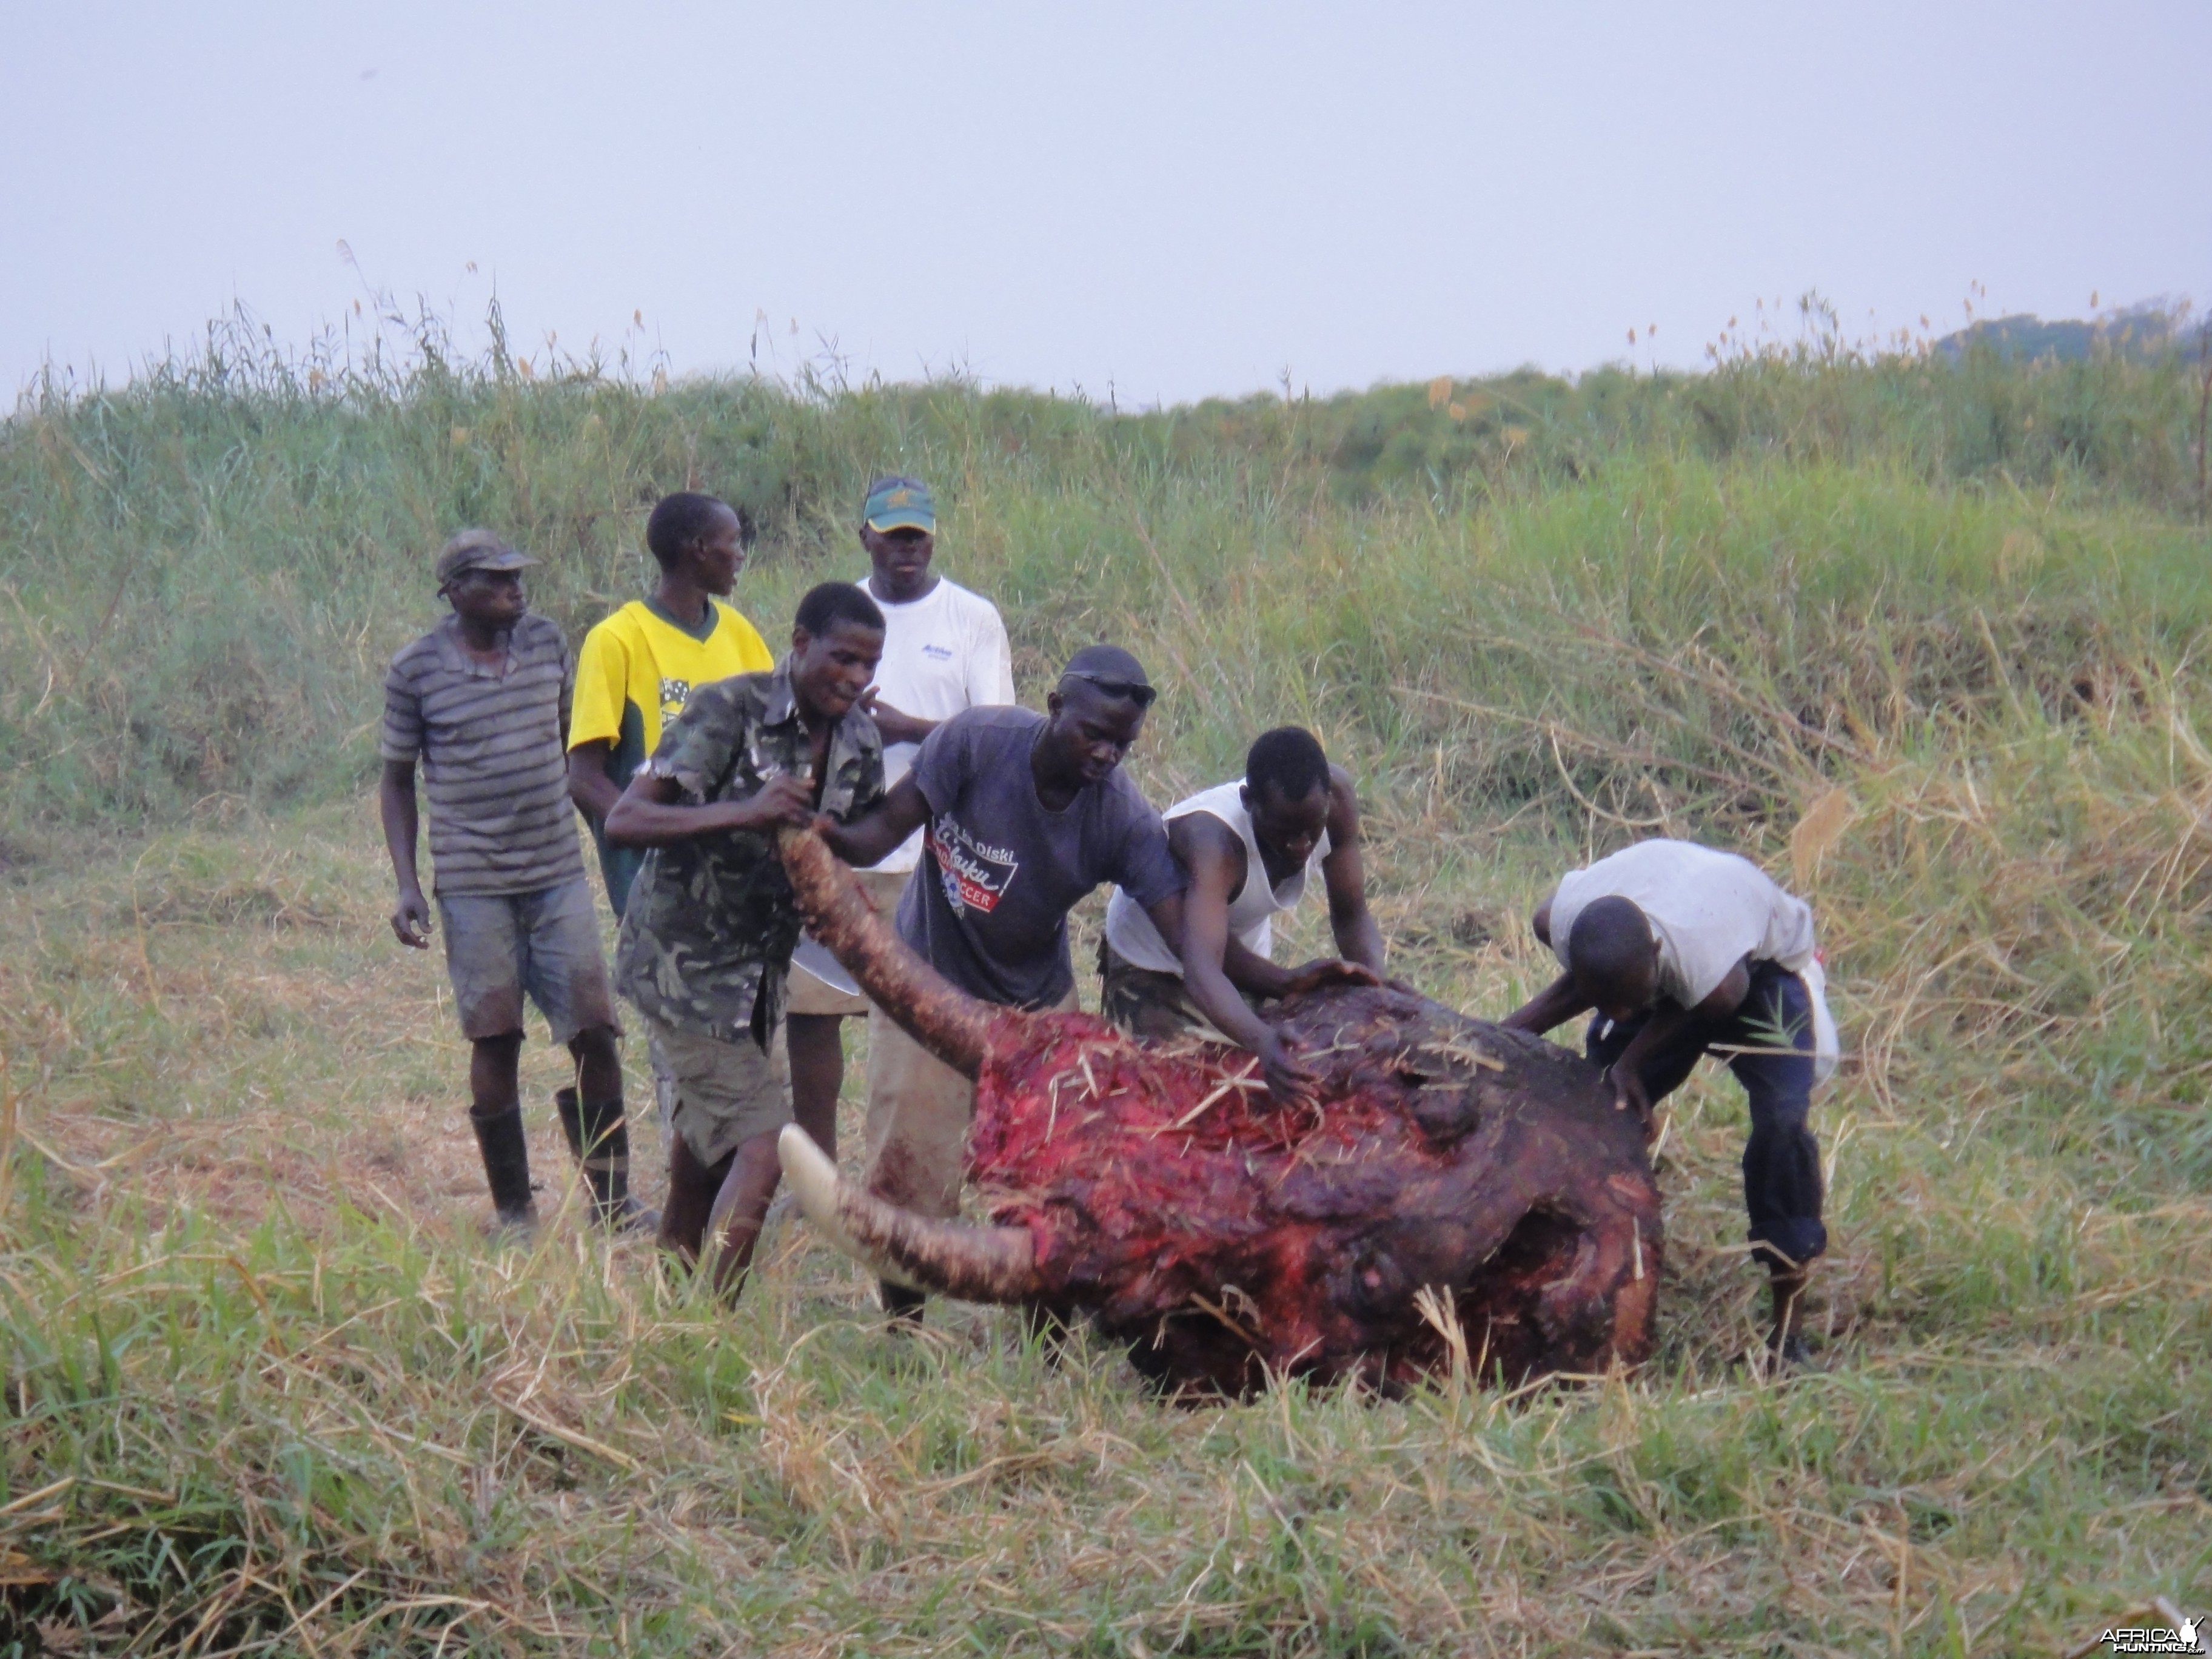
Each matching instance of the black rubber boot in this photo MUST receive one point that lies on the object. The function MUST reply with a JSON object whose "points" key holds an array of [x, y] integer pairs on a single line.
{"points": [[599, 1136], [902, 1307], [506, 1167], [1784, 1342]]}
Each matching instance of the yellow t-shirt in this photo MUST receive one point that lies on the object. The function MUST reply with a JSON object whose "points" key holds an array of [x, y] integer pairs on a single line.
{"points": [[637, 670]]}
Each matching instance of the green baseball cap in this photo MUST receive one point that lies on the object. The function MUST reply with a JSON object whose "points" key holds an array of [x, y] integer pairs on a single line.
{"points": [[900, 504]]}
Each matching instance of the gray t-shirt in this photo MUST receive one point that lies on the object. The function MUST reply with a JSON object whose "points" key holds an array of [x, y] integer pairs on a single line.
{"points": [[987, 908], [493, 758]]}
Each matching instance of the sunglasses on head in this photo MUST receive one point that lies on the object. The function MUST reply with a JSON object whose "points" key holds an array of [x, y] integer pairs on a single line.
{"points": [[1140, 695]]}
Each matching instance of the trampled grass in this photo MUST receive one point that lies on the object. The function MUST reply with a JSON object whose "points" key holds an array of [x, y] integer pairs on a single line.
{"points": [[267, 1390]]}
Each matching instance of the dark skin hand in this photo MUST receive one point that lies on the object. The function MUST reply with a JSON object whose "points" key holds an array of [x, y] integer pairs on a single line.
{"points": [[489, 603], [1217, 966], [900, 574], [829, 672], [1086, 736], [707, 568], [1623, 997]]}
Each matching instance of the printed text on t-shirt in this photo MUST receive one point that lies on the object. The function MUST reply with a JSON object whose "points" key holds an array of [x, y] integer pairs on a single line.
{"points": [[976, 874]]}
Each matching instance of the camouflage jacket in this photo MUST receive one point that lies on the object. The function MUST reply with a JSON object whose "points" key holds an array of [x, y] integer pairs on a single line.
{"points": [[707, 938]]}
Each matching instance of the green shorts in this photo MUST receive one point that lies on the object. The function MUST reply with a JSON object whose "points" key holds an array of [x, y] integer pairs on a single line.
{"points": [[1148, 1003], [725, 1093]]}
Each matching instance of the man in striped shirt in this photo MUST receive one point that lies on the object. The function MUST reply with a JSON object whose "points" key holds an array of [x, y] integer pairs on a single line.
{"points": [[481, 700]]}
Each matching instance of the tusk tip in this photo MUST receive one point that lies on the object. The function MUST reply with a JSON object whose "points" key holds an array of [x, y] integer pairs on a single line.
{"points": [[815, 1179], [812, 1176]]}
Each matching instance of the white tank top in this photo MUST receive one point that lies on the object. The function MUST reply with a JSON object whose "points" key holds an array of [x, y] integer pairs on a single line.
{"points": [[1137, 943]]}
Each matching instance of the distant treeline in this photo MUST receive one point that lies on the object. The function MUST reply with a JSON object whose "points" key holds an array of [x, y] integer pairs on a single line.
{"points": [[2146, 333]]}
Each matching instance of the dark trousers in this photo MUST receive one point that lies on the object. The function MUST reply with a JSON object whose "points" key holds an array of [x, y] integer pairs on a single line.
{"points": [[1781, 1161]]}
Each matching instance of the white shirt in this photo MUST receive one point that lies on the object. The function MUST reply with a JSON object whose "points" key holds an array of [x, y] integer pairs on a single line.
{"points": [[1708, 910], [943, 653], [1251, 911]]}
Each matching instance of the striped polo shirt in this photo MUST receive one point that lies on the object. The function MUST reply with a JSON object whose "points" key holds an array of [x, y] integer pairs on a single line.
{"points": [[493, 745]]}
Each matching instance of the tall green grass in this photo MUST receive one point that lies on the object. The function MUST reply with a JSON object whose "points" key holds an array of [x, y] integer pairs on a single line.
{"points": [[202, 573], [1895, 628]]}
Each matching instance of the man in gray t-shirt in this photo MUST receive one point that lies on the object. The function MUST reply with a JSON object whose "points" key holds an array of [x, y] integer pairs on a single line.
{"points": [[481, 701], [1026, 813]]}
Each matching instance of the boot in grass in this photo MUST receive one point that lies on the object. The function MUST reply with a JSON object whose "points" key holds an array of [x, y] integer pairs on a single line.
{"points": [[1785, 1341], [902, 1307], [599, 1135], [506, 1168]]}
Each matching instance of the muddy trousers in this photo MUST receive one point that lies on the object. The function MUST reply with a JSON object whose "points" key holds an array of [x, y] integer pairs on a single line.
{"points": [[1768, 1044], [918, 1110]]}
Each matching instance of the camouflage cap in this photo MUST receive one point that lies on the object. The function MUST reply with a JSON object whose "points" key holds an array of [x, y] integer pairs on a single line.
{"points": [[477, 549]]}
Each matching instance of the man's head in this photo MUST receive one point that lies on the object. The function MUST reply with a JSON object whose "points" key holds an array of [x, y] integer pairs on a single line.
{"points": [[1097, 711], [699, 536], [836, 639], [1286, 792], [481, 577], [898, 528], [1614, 958]]}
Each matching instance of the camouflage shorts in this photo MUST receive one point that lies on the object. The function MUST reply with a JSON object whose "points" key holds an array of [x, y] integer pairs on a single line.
{"points": [[1148, 1003], [725, 1093]]}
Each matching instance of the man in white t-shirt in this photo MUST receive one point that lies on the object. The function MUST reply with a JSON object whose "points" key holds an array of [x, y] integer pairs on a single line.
{"points": [[1682, 951], [945, 650]]}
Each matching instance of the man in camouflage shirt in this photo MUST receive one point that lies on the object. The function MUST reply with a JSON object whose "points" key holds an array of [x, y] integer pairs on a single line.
{"points": [[706, 943]]}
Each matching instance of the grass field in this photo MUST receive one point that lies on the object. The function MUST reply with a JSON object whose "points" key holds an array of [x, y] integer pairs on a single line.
{"points": [[268, 1390]]}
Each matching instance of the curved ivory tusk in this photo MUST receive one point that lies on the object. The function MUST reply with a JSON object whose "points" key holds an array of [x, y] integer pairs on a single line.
{"points": [[950, 1023], [954, 1258]]}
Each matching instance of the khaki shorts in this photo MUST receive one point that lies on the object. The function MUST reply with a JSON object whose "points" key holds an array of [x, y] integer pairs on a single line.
{"points": [[725, 1093], [1148, 1003], [500, 947], [810, 995], [918, 1110]]}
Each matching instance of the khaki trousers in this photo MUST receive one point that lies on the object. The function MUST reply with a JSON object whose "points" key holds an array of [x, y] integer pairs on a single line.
{"points": [[918, 1110], [809, 995]]}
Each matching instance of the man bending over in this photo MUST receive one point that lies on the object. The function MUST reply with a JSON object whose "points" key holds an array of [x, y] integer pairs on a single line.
{"points": [[707, 938], [1026, 814], [1683, 952], [1250, 848]]}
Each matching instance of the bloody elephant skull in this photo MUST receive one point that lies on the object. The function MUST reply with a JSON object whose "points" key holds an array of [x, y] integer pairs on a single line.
{"points": [[1158, 1190]]}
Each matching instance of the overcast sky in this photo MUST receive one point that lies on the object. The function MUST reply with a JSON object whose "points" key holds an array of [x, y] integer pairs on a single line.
{"points": [[1172, 200]]}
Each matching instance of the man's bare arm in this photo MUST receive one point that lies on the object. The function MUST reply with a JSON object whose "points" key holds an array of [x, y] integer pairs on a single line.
{"points": [[1196, 927], [1668, 1021], [1344, 872], [650, 812], [1554, 1004], [589, 785], [869, 840], [896, 723], [395, 803]]}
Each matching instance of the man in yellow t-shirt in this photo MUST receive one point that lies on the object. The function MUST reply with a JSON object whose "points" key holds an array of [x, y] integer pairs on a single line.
{"points": [[638, 667]]}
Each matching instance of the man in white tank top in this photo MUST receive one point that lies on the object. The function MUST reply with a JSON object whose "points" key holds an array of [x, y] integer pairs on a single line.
{"points": [[1250, 848]]}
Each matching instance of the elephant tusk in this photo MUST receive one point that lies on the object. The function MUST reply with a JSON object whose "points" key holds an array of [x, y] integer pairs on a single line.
{"points": [[953, 1258], [950, 1023]]}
